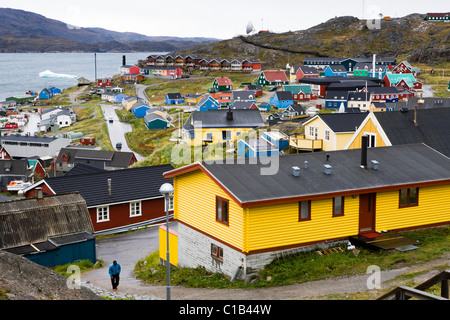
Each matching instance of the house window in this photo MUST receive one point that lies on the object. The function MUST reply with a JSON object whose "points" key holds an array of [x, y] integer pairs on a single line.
{"points": [[304, 208], [222, 210], [409, 197], [192, 135], [372, 139], [216, 252], [135, 209], [209, 136], [338, 206], [327, 135], [102, 214], [226, 135]]}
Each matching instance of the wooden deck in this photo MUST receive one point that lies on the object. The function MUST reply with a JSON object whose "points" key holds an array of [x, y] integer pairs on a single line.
{"points": [[386, 241]]}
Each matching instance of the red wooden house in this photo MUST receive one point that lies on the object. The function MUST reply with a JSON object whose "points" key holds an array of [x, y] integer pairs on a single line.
{"points": [[405, 67], [305, 72], [104, 82], [117, 200]]}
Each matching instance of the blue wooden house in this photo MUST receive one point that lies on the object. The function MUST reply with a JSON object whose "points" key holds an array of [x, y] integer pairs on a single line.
{"points": [[336, 99], [281, 99], [54, 91], [207, 103], [174, 98], [45, 94], [140, 109], [51, 230], [254, 148], [119, 97], [335, 71]]}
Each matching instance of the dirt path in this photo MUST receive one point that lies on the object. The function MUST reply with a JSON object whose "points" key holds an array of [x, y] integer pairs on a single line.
{"points": [[74, 95], [308, 290]]}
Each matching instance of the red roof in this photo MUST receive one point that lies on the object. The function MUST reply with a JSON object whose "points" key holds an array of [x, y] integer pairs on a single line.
{"points": [[273, 76], [224, 82]]}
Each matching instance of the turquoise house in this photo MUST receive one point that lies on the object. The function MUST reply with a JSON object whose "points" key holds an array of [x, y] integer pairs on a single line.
{"points": [[155, 121]]}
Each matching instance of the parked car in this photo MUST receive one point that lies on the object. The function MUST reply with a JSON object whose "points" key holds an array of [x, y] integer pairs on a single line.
{"points": [[119, 145], [110, 119]]}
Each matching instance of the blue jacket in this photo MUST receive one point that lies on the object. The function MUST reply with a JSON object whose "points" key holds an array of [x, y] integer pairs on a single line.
{"points": [[114, 269]]}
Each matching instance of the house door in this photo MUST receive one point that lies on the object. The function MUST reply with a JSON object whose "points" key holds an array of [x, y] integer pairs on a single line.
{"points": [[367, 212]]}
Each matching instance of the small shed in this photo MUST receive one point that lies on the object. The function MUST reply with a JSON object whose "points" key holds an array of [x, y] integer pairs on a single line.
{"points": [[155, 121], [253, 148], [50, 230]]}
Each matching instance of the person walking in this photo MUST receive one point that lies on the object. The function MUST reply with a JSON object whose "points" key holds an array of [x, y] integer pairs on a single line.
{"points": [[114, 272]]}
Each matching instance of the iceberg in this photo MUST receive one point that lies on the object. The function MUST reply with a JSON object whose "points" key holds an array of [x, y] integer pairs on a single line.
{"points": [[50, 74]]}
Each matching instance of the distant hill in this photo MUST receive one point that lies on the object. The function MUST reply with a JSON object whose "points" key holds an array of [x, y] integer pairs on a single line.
{"points": [[410, 38], [23, 31]]}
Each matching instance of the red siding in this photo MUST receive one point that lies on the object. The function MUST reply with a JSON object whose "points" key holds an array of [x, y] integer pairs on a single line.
{"points": [[119, 214]]}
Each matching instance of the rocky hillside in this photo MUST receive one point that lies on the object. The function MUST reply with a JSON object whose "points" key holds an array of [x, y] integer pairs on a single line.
{"points": [[21, 279], [410, 38], [23, 31]]}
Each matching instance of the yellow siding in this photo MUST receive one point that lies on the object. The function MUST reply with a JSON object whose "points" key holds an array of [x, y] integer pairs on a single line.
{"points": [[173, 246], [278, 225], [433, 208], [195, 205], [368, 127], [201, 134], [337, 141]]}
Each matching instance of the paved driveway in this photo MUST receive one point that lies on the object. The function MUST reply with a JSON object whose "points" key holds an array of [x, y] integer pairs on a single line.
{"points": [[117, 129]]}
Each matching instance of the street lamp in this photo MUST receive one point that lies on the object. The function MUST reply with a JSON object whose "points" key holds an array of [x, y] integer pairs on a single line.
{"points": [[167, 191]]}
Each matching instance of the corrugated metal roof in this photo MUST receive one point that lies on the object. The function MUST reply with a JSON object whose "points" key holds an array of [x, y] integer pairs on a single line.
{"points": [[31, 221]]}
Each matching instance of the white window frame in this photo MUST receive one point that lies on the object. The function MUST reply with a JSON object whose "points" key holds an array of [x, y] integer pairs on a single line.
{"points": [[102, 216], [135, 209], [327, 135], [372, 138]]}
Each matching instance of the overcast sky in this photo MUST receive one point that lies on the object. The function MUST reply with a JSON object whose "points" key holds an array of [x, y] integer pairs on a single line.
{"points": [[212, 18]]}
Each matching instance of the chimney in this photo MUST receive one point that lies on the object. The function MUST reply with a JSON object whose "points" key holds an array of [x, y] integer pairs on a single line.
{"points": [[364, 140], [415, 116], [109, 187], [229, 114], [295, 171], [124, 60], [38, 193]]}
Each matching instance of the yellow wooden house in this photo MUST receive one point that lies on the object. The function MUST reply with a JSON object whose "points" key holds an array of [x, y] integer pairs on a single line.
{"points": [[220, 126], [328, 131], [406, 126], [234, 220]]}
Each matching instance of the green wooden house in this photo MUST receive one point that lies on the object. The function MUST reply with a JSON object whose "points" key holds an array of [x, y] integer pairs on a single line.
{"points": [[272, 78], [222, 84]]}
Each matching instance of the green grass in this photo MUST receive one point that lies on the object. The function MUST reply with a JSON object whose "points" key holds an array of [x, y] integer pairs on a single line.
{"points": [[304, 267], [84, 265]]}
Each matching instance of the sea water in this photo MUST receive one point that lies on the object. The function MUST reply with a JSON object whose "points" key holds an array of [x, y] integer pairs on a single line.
{"points": [[19, 72]]}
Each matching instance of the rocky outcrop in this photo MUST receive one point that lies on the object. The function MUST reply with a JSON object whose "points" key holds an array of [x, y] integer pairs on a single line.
{"points": [[21, 279]]}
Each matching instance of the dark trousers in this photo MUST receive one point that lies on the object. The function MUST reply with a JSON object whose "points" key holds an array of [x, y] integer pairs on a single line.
{"points": [[115, 281]]}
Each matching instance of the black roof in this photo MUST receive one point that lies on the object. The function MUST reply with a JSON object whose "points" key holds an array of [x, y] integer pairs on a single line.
{"points": [[338, 79], [174, 95], [431, 128], [126, 184], [242, 118], [343, 122], [398, 166], [284, 95], [336, 95], [98, 158]]}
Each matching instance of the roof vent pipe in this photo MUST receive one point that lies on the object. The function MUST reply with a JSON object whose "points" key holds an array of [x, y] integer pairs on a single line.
{"points": [[364, 140], [305, 164], [39, 193], [375, 164]]}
